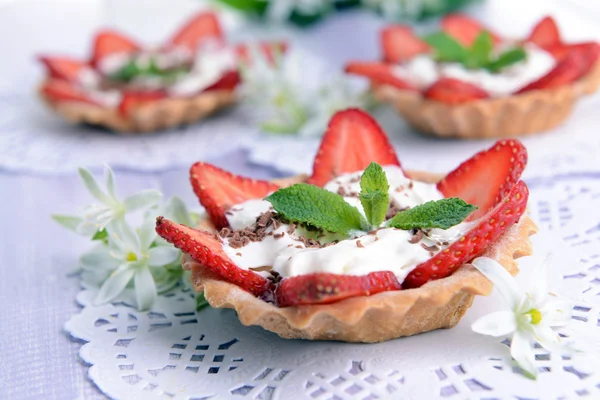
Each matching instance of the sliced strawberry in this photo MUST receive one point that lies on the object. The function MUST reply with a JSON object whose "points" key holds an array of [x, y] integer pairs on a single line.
{"points": [[324, 288], [63, 91], [68, 69], [588, 50], [487, 177], [132, 100], [269, 50], [465, 29], [353, 140], [229, 81], [205, 248], [473, 243], [201, 27], [109, 42], [454, 91], [219, 190], [545, 34], [400, 44], [573, 66], [379, 73]]}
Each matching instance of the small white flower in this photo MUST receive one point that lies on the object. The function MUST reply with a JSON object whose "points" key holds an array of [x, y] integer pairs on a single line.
{"points": [[289, 101], [97, 216], [531, 315], [130, 255]]}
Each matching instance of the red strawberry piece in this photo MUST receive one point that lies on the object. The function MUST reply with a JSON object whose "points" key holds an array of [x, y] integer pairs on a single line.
{"points": [[228, 81], [454, 91], [379, 73], [400, 44], [132, 100], [324, 288], [473, 243], [201, 27], [63, 91], [545, 34], [465, 29], [573, 66], [588, 50], [219, 190], [64, 68], [109, 42], [205, 248], [487, 177], [269, 50], [353, 140]]}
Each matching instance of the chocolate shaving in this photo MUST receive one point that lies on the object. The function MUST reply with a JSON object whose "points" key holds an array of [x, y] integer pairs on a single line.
{"points": [[393, 210], [430, 248], [279, 235], [275, 277], [309, 243], [291, 229], [225, 233], [417, 236], [359, 244], [261, 269]]}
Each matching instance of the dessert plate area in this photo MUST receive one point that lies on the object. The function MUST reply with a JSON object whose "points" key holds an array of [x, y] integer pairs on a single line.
{"points": [[175, 352]]}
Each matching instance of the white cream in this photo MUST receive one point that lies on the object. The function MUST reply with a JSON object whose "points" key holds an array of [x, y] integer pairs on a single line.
{"points": [[423, 71], [387, 249]]}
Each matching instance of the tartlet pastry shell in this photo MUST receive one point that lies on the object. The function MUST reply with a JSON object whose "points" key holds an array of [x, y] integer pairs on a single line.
{"points": [[376, 318], [522, 114], [151, 117]]}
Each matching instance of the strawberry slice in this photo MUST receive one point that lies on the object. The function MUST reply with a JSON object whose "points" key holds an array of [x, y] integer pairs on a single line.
{"points": [[573, 66], [219, 190], [206, 248], [324, 288], [110, 42], [353, 140], [68, 69], [400, 44], [473, 243], [228, 81], [132, 100], [200, 27], [545, 34], [379, 73], [63, 91], [487, 177], [465, 29], [270, 50], [454, 91]]}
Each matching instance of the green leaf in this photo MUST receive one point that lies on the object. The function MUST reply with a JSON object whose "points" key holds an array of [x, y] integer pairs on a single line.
{"points": [[71, 222], [317, 207], [100, 235], [506, 59], [446, 47], [374, 195], [441, 214], [200, 301], [480, 51]]}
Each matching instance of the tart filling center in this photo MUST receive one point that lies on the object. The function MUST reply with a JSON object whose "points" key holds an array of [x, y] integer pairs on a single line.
{"points": [[260, 240]]}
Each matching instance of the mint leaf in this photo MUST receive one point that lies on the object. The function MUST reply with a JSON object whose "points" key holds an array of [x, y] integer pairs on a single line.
{"points": [[374, 195], [446, 47], [480, 51], [317, 207], [441, 214], [506, 59]]}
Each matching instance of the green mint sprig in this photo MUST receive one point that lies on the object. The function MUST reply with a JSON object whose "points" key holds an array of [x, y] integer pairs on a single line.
{"points": [[480, 55], [442, 214], [374, 195], [318, 207], [132, 70]]}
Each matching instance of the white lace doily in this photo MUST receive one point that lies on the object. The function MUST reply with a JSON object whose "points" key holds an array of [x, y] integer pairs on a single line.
{"points": [[172, 352]]}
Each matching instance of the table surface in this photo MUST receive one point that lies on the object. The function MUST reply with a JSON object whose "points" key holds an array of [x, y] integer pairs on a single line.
{"points": [[37, 360]]}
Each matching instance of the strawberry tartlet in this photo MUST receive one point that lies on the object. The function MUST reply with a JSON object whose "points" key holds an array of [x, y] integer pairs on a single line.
{"points": [[125, 87], [467, 81], [362, 250]]}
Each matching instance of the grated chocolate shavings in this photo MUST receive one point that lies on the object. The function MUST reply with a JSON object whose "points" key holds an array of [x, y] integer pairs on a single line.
{"points": [[393, 210], [291, 229], [279, 235], [417, 236], [359, 244], [430, 248], [238, 254], [225, 233], [262, 268]]}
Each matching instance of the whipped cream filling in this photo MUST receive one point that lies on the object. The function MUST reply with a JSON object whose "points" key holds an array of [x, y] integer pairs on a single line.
{"points": [[423, 71], [385, 249]]}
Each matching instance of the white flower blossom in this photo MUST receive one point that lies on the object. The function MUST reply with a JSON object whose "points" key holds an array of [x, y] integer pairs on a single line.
{"points": [[129, 256], [292, 102], [531, 316], [97, 216]]}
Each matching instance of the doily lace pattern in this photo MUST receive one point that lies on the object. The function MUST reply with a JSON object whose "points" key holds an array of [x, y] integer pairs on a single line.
{"points": [[174, 352]]}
